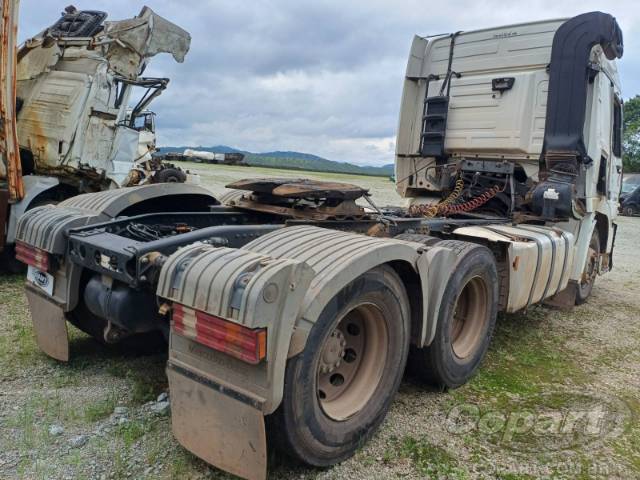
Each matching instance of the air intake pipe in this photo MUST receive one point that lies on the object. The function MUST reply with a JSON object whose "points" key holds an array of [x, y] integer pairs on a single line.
{"points": [[564, 148], [568, 82]]}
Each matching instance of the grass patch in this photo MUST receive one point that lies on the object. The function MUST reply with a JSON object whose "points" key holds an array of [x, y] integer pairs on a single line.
{"points": [[146, 381], [524, 359], [132, 431], [101, 408], [428, 459], [628, 445], [18, 348]]}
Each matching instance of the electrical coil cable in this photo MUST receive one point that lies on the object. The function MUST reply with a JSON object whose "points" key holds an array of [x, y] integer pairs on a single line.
{"points": [[474, 203], [447, 207], [430, 211]]}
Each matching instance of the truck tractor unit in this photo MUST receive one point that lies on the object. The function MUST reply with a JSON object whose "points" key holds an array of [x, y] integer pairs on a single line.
{"points": [[291, 305], [66, 94]]}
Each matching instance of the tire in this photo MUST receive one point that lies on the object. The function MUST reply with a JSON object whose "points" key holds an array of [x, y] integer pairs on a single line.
{"points": [[461, 342], [629, 211], [8, 262], [170, 175], [324, 428], [590, 271]]}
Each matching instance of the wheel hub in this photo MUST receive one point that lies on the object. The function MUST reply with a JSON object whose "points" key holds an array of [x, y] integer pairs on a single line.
{"points": [[333, 352], [351, 361]]}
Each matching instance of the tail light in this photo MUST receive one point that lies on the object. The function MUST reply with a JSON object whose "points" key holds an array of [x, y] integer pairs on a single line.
{"points": [[246, 344], [32, 256]]}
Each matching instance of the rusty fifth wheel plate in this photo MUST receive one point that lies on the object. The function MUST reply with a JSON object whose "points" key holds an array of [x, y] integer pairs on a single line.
{"points": [[300, 188]]}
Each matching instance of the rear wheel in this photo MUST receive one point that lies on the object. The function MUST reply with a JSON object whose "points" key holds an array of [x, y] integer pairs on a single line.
{"points": [[8, 262], [466, 319], [629, 211], [170, 175], [590, 271], [338, 390]]}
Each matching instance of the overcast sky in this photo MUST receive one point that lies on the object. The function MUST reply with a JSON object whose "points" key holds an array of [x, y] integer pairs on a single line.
{"points": [[317, 77]]}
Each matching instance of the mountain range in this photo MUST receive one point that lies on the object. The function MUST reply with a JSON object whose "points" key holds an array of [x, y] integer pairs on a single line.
{"points": [[293, 161]]}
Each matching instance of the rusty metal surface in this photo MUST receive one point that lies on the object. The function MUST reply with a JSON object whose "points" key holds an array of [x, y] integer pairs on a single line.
{"points": [[49, 325], [221, 430], [142, 37], [75, 102], [10, 167], [4, 213], [300, 188], [346, 210]]}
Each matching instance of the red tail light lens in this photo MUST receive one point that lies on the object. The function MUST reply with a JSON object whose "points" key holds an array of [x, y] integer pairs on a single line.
{"points": [[32, 256], [246, 344]]}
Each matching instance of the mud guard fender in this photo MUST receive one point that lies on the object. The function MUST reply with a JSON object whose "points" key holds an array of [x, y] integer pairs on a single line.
{"points": [[582, 241], [49, 325], [44, 227], [435, 267], [218, 402], [250, 289], [34, 185], [338, 258]]}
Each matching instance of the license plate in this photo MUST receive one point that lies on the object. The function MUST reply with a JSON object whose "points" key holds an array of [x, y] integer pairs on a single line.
{"points": [[43, 280]]}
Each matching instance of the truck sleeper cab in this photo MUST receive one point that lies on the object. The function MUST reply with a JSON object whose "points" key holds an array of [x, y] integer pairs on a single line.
{"points": [[291, 309]]}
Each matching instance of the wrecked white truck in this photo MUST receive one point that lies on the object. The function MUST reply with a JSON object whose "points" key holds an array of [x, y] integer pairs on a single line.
{"points": [[291, 309], [72, 129]]}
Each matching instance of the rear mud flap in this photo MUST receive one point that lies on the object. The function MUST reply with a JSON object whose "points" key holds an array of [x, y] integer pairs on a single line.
{"points": [[222, 428], [49, 325], [564, 300]]}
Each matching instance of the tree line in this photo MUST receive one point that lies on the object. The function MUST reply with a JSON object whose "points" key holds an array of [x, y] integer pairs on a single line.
{"points": [[631, 136]]}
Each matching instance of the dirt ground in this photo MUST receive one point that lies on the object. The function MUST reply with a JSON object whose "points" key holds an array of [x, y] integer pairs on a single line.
{"points": [[557, 397]]}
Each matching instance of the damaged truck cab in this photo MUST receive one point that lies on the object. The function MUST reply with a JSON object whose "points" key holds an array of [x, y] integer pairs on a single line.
{"points": [[73, 126], [291, 308]]}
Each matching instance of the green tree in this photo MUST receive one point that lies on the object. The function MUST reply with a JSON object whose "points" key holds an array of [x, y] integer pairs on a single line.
{"points": [[631, 138]]}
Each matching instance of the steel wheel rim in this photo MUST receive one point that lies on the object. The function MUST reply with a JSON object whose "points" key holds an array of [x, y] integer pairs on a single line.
{"points": [[351, 363], [470, 316], [590, 268]]}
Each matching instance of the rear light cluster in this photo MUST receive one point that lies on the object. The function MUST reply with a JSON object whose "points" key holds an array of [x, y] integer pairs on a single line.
{"points": [[246, 344], [32, 256]]}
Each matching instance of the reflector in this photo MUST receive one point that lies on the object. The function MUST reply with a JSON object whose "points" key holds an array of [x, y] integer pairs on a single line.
{"points": [[246, 344]]}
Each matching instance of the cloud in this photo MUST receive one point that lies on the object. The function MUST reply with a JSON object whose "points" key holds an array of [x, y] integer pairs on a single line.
{"points": [[321, 77]]}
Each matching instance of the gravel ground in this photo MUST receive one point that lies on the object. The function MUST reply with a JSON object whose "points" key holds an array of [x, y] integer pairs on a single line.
{"points": [[558, 397]]}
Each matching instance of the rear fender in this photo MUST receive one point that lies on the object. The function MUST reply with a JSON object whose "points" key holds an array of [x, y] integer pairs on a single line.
{"points": [[247, 288], [34, 185], [338, 258], [218, 403], [439, 263], [46, 227]]}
